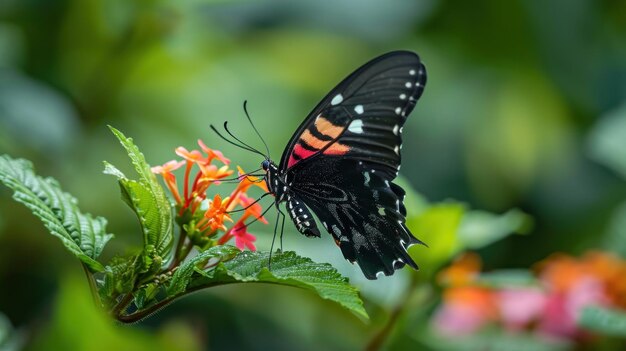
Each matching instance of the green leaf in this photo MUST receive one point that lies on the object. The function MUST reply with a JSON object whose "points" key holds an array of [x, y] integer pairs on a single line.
{"points": [[479, 228], [606, 140], [615, 238], [83, 235], [496, 340], [180, 278], [507, 278], [604, 320], [287, 269], [149, 202], [119, 277], [10, 339], [436, 226]]}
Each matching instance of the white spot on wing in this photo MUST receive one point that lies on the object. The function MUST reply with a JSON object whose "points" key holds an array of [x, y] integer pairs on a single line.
{"points": [[407, 84], [336, 230], [359, 109], [336, 100], [356, 126], [396, 150], [395, 129], [367, 178], [412, 72], [398, 110], [402, 96]]}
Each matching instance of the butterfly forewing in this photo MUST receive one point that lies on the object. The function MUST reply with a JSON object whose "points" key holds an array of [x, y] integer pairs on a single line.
{"points": [[362, 117]]}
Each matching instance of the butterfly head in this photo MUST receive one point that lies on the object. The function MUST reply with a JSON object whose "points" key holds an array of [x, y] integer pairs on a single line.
{"points": [[266, 164]]}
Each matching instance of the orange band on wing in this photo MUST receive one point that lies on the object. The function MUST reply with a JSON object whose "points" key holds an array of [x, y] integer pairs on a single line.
{"points": [[325, 127], [337, 149], [311, 140]]}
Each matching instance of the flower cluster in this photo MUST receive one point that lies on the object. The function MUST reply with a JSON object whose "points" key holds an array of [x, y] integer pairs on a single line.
{"points": [[204, 220], [564, 286]]}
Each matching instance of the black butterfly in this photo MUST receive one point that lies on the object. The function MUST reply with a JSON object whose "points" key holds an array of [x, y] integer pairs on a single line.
{"points": [[341, 161]]}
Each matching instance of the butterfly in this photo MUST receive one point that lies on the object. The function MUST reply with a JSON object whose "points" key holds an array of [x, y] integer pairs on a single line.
{"points": [[342, 159]]}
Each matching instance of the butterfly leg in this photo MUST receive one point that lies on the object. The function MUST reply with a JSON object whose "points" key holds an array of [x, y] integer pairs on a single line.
{"points": [[282, 231], [278, 214]]}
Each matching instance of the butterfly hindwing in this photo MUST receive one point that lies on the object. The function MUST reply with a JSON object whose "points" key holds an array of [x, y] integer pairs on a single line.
{"points": [[361, 209]]}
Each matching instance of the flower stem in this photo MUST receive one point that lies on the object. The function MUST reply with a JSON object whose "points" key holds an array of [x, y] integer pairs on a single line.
{"points": [[382, 335]]}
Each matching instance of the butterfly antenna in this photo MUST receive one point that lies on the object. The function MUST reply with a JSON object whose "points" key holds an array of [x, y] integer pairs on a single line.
{"points": [[239, 140], [245, 147], [245, 109], [250, 205]]}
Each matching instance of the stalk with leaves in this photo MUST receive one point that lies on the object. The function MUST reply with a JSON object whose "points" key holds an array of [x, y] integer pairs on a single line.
{"points": [[185, 243]]}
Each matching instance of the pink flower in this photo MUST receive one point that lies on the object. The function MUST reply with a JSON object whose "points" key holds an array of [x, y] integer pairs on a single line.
{"points": [[519, 307], [465, 310], [243, 239], [563, 308]]}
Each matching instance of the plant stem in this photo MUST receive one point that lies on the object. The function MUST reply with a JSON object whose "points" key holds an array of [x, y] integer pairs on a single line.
{"points": [[381, 337], [92, 286], [177, 257], [141, 314], [117, 310]]}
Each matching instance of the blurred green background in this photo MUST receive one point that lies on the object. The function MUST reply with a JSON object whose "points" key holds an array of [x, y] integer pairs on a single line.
{"points": [[525, 107]]}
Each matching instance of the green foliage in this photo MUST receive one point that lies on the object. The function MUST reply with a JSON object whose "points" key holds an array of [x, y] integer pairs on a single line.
{"points": [[149, 202], [10, 339], [79, 325], [607, 143], [83, 235], [437, 226], [604, 320], [479, 228], [448, 228], [615, 238], [287, 269], [494, 340], [180, 278], [507, 278]]}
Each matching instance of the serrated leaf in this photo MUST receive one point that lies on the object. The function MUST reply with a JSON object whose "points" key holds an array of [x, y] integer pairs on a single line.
{"points": [[180, 278], [83, 235], [604, 320], [287, 269], [147, 198]]}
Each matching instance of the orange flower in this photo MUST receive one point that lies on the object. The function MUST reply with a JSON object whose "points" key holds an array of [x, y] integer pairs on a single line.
{"points": [[170, 180], [462, 271], [215, 215], [211, 154]]}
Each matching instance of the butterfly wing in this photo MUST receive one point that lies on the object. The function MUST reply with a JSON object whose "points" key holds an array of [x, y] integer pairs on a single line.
{"points": [[362, 117], [343, 157], [361, 209]]}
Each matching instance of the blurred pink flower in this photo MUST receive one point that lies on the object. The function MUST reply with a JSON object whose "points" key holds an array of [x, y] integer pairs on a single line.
{"points": [[563, 308], [466, 309], [520, 306]]}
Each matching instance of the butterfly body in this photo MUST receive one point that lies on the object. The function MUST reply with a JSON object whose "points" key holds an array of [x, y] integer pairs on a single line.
{"points": [[341, 161]]}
